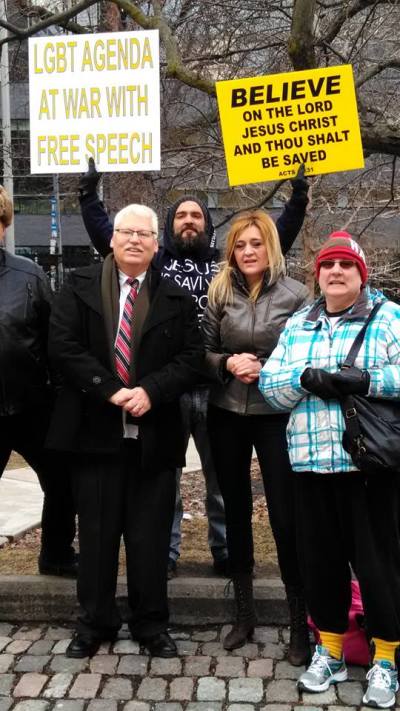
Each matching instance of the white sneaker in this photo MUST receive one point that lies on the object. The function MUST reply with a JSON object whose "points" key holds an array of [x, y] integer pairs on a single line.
{"points": [[323, 671], [382, 685]]}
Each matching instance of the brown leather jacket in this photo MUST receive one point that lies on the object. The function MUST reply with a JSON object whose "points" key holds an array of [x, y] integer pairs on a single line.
{"points": [[247, 327]]}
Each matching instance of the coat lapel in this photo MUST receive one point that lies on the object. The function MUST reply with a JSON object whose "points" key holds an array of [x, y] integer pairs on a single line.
{"points": [[87, 287], [110, 293]]}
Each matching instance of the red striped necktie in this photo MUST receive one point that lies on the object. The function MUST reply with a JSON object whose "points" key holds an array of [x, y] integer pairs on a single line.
{"points": [[124, 339]]}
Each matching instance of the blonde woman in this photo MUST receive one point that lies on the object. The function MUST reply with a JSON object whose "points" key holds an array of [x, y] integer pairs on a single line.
{"points": [[249, 303]]}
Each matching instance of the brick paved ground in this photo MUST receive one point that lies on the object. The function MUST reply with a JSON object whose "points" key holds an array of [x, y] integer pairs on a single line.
{"points": [[35, 675]]}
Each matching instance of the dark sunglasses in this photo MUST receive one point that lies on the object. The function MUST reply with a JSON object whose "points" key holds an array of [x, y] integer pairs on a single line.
{"points": [[343, 263]]}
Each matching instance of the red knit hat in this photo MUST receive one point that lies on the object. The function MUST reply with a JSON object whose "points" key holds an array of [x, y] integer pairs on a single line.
{"points": [[341, 245]]}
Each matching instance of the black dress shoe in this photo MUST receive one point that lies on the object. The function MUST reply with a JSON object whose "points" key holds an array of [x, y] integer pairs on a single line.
{"points": [[221, 567], [80, 647], [162, 645], [65, 569]]}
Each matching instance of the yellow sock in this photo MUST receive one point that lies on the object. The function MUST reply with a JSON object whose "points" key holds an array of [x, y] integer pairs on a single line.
{"points": [[333, 642], [384, 649]]}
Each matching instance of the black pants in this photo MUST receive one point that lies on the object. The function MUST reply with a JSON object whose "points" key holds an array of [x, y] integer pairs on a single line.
{"points": [[25, 433], [115, 498], [232, 439], [344, 519]]}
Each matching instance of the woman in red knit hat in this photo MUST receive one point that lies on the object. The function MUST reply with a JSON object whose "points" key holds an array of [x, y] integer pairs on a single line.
{"points": [[343, 515]]}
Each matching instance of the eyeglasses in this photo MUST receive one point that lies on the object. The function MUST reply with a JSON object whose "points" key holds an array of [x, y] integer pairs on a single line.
{"points": [[343, 263], [141, 234]]}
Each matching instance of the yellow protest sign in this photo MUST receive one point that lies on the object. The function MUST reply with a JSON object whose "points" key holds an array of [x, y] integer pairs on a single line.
{"points": [[272, 124]]}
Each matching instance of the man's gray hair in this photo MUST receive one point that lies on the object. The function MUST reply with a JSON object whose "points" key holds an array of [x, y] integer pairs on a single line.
{"points": [[135, 210]]}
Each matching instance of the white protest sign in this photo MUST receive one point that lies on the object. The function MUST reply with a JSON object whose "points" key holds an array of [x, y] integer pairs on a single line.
{"points": [[96, 96]]}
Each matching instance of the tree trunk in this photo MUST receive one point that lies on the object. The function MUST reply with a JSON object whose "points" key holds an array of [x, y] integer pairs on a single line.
{"points": [[301, 40]]}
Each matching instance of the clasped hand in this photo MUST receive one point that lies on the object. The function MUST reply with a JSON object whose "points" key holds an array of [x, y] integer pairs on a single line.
{"points": [[133, 400], [244, 366], [348, 381]]}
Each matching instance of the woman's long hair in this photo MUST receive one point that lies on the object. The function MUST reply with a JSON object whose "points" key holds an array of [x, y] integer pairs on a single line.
{"points": [[6, 208], [220, 291]]}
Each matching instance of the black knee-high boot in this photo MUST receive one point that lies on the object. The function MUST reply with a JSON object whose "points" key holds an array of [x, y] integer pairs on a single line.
{"points": [[299, 644]]}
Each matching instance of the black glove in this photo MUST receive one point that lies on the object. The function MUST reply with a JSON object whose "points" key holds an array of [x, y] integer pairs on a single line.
{"points": [[300, 183], [89, 180], [319, 382], [352, 381]]}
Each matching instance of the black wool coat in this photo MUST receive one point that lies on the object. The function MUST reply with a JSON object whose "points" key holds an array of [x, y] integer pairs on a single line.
{"points": [[169, 356]]}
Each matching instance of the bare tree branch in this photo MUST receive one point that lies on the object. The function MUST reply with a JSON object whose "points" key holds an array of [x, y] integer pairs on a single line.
{"points": [[175, 67], [332, 50], [345, 14], [381, 137], [367, 18], [232, 53], [60, 18], [391, 199], [261, 203], [393, 63]]}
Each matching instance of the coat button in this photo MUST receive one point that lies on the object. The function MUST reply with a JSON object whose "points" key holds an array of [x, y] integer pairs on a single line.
{"points": [[96, 380]]}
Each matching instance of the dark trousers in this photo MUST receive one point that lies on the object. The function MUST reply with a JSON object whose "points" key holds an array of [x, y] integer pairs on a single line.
{"points": [[194, 418], [232, 438], [345, 519], [25, 433], [115, 498]]}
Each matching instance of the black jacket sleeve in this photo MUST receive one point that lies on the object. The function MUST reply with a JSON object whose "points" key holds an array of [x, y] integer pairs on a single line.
{"points": [[289, 223], [97, 223]]}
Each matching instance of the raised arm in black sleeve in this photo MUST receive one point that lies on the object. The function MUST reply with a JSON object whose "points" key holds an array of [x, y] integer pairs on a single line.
{"points": [[94, 215], [289, 223]]}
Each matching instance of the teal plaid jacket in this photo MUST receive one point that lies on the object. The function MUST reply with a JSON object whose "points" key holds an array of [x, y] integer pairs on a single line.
{"points": [[316, 426]]}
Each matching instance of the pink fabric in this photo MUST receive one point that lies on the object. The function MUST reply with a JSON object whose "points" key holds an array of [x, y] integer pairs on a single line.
{"points": [[355, 645]]}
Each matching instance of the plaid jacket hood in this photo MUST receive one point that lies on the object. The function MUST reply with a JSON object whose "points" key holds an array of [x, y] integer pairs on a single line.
{"points": [[316, 426]]}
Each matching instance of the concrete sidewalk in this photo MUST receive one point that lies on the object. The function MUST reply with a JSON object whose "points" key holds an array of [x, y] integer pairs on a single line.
{"points": [[21, 501], [192, 601]]}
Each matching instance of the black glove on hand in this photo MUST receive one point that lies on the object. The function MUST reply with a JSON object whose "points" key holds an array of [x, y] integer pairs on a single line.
{"points": [[319, 382], [352, 381], [300, 183], [89, 180]]}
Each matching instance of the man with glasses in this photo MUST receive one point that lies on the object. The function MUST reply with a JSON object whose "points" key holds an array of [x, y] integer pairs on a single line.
{"points": [[189, 257], [127, 344]]}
